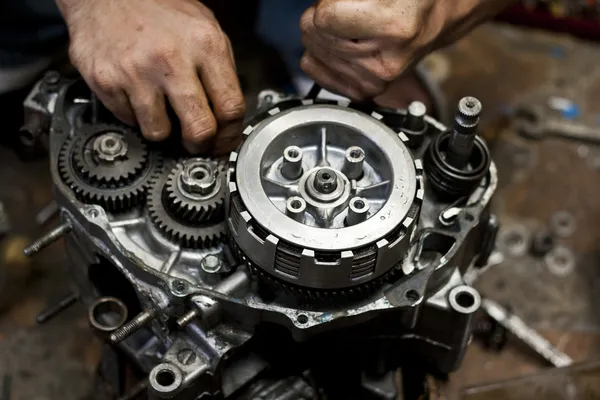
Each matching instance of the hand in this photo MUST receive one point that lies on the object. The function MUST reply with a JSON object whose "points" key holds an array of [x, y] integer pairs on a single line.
{"points": [[135, 54], [357, 48]]}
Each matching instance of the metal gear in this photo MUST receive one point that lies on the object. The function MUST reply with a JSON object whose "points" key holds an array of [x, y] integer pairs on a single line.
{"points": [[195, 190], [115, 195], [109, 154], [187, 233]]}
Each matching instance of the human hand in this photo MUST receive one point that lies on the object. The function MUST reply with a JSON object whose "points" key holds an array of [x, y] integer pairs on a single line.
{"points": [[134, 54], [357, 48]]}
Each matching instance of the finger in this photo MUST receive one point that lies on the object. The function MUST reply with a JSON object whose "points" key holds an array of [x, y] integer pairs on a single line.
{"points": [[347, 70], [151, 112], [113, 97], [187, 97], [322, 75], [353, 19], [227, 139], [222, 87], [338, 45]]}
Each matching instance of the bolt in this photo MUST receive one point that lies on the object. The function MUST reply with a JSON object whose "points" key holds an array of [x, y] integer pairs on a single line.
{"points": [[353, 162], [295, 207], [291, 168], [358, 210], [186, 356], [211, 264], [48, 239], [51, 78], [179, 286], [415, 115], [198, 177], [326, 180], [141, 320], [464, 131]]}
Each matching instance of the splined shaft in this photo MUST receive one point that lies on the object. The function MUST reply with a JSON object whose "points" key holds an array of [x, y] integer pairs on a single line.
{"points": [[464, 131]]}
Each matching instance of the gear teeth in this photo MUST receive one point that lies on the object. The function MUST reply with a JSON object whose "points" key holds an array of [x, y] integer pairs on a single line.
{"points": [[196, 211], [114, 197], [190, 236]]}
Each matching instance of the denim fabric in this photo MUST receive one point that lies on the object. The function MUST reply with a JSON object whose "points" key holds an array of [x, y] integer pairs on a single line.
{"points": [[29, 30], [277, 25]]}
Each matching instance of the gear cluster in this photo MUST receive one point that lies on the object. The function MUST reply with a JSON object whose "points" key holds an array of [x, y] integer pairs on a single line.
{"points": [[186, 202], [111, 166], [108, 165]]}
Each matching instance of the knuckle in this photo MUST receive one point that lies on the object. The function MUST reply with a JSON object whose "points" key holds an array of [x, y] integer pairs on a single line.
{"points": [[233, 109], [201, 127], [104, 80], [214, 43], [323, 17], [164, 59], [408, 30]]}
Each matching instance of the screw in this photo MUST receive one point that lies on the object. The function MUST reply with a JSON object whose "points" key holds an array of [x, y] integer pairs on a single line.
{"points": [[48, 239], [141, 320], [464, 131], [186, 356], [326, 181]]}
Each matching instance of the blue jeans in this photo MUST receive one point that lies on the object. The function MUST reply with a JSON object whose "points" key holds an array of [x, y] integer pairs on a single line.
{"points": [[33, 29]]}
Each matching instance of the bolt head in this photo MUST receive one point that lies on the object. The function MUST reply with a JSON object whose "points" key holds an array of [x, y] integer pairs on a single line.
{"points": [[211, 264], [199, 177]]}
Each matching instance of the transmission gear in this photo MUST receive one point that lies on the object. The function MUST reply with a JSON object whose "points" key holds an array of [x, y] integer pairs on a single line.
{"points": [[166, 215], [107, 165], [196, 190], [109, 154]]}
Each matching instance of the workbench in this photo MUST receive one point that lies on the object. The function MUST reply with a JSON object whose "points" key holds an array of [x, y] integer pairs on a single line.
{"points": [[500, 65]]}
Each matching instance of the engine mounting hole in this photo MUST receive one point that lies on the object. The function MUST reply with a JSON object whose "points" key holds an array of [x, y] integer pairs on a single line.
{"points": [[165, 377], [293, 153], [302, 319], [412, 295], [465, 299], [359, 204], [296, 204]]}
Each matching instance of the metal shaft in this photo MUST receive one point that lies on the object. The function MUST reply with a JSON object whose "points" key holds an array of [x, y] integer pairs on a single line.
{"points": [[57, 308], [48, 239], [464, 131], [141, 320], [517, 327]]}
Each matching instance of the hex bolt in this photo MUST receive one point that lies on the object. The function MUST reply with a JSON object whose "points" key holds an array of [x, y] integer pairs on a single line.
{"points": [[295, 207], [353, 162], [211, 264], [325, 181], [292, 163], [464, 131], [141, 320], [198, 177], [415, 116], [358, 210], [48, 239]]}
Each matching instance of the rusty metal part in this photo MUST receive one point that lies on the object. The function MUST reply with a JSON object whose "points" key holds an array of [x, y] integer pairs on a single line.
{"points": [[55, 309]]}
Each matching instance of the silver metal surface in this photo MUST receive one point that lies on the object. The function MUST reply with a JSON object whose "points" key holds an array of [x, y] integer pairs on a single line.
{"points": [[517, 327], [325, 132], [533, 121], [109, 147]]}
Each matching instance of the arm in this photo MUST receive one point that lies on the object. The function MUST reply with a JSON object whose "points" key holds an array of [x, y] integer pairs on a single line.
{"points": [[359, 47], [138, 54]]}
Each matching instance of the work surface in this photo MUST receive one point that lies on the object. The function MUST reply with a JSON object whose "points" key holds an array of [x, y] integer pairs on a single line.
{"points": [[501, 66]]}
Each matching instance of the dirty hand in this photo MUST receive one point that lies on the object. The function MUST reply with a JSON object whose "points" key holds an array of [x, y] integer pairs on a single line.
{"points": [[135, 54], [359, 47]]}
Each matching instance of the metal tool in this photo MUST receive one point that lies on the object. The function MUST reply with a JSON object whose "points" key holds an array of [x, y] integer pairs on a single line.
{"points": [[517, 327], [531, 121]]}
